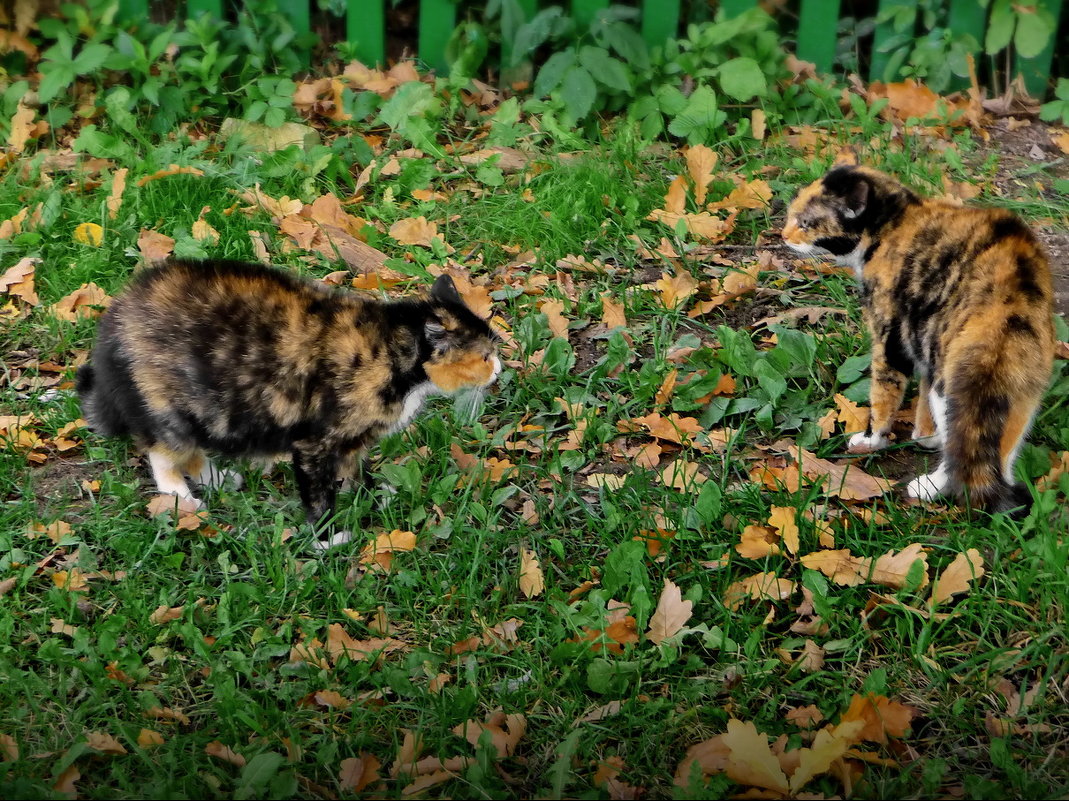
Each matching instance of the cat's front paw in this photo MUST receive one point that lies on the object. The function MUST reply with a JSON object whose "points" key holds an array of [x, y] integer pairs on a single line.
{"points": [[329, 541], [929, 486], [866, 443]]}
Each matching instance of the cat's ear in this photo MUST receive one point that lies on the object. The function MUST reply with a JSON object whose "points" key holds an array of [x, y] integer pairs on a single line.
{"points": [[445, 291], [846, 157], [435, 332], [857, 197]]}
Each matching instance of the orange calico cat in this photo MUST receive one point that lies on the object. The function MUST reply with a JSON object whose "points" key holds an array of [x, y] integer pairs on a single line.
{"points": [[242, 359], [962, 296]]}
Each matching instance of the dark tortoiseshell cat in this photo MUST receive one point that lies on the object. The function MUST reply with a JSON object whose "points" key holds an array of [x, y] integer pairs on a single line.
{"points": [[242, 359], [963, 296]]}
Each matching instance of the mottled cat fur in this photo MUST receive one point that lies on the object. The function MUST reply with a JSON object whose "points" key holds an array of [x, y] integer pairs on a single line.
{"points": [[243, 359], [960, 295]]}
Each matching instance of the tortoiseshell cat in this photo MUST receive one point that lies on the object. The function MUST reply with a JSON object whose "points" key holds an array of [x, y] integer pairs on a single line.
{"points": [[963, 296], [243, 359]]}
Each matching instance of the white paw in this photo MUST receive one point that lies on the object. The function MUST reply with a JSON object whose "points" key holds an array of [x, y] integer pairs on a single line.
{"points": [[337, 538], [215, 478], [928, 487], [866, 443], [387, 492], [932, 442]]}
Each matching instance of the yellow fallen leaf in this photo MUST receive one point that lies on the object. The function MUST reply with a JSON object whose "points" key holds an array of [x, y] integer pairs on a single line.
{"points": [[757, 124], [164, 614], [761, 586], [855, 418], [89, 234], [356, 773], [104, 743], [118, 186], [675, 289], [332, 699], [675, 200], [88, 300], [147, 738], [701, 161], [65, 781], [671, 614], [882, 717], [60, 627], [958, 575], [784, 520], [751, 761], [682, 475], [72, 580], [203, 232], [612, 313], [414, 231], [828, 746], [18, 280], [757, 542], [505, 731], [154, 246], [174, 169], [554, 311], [532, 581]]}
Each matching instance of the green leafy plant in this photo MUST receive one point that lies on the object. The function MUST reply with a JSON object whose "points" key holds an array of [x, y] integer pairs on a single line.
{"points": [[1057, 109]]}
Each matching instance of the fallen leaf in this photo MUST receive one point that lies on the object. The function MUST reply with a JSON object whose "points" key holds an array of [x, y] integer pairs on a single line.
{"points": [[956, 578], [203, 232], [675, 289], [882, 717], [165, 614], [762, 586], [332, 699], [8, 584], [72, 580], [554, 311], [414, 231], [755, 194], [154, 246], [783, 519], [9, 749], [854, 418], [89, 234], [340, 644], [701, 160], [65, 781], [505, 731], [805, 717], [225, 753], [380, 552], [612, 313], [18, 280], [60, 627], [757, 542], [166, 713], [356, 773], [174, 169], [671, 614], [751, 761], [675, 200], [600, 713], [118, 186], [147, 738], [812, 658], [682, 475], [532, 582], [13, 225], [86, 301], [848, 481], [21, 128], [757, 124], [104, 743], [828, 746]]}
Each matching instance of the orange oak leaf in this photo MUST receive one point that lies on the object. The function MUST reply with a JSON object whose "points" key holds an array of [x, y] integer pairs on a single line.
{"points": [[356, 773], [532, 581], [784, 520], [671, 614], [225, 753], [958, 575]]}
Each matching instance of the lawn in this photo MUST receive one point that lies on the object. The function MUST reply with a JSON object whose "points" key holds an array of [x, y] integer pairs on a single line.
{"points": [[635, 547]]}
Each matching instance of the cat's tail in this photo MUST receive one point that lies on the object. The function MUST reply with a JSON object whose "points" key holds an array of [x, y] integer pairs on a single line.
{"points": [[99, 413], [988, 418]]}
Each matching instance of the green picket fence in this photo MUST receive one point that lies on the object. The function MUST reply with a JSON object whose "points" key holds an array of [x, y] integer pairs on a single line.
{"points": [[660, 20]]}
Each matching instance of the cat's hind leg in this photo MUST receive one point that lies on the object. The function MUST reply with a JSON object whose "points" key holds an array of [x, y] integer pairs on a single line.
{"points": [[930, 486], [205, 472], [168, 471], [925, 431]]}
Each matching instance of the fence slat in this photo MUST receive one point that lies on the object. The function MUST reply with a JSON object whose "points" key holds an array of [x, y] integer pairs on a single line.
{"points": [[732, 8], [817, 32], [214, 8], [967, 16], [583, 12], [365, 24], [1036, 71], [437, 18], [133, 10], [884, 31], [660, 21]]}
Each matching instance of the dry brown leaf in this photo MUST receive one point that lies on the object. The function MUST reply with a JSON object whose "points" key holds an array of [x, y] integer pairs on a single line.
{"points": [[828, 746], [854, 418], [104, 743], [166, 713], [81, 303], [118, 186], [9, 749], [882, 717], [21, 127], [757, 124], [751, 761], [605, 480], [675, 201], [612, 313], [784, 520], [812, 658], [671, 614], [757, 542], [340, 644], [957, 577], [60, 627], [356, 773], [682, 475], [414, 231], [1061, 140], [762, 586], [532, 582], [13, 225], [668, 386], [72, 580], [18, 280], [505, 731], [203, 232], [65, 781], [225, 753], [711, 756], [154, 246], [147, 738], [701, 161], [164, 614], [891, 569], [600, 713], [332, 699], [554, 311], [673, 428], [805, 717], [848, 481], [754, 194], [174, 169], [675, 289]]}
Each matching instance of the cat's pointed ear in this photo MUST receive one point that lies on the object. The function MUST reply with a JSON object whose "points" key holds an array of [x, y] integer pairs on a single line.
{"points": [[444, 290], [846, 157], [857, 197]]}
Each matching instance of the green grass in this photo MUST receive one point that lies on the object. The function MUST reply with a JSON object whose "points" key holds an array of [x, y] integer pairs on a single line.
{"points": [[250, 591]]}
